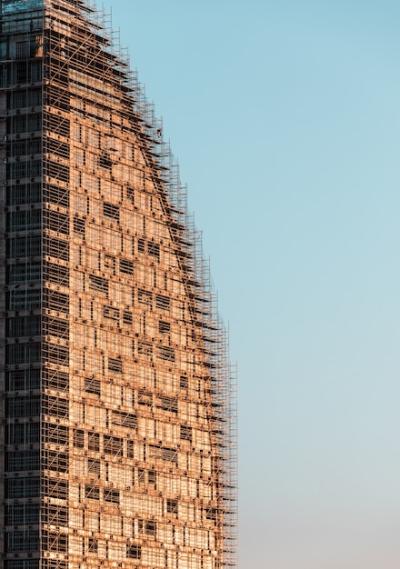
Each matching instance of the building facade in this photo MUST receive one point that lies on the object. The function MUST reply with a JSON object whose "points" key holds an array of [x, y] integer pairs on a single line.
{"points": [[117, 431]]}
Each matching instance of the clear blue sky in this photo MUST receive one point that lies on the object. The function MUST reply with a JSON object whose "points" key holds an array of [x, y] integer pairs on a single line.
{"points": [[285, 116]]}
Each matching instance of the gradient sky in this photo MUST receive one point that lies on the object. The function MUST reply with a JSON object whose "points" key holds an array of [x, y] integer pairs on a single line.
{"points": [[285, 116]]}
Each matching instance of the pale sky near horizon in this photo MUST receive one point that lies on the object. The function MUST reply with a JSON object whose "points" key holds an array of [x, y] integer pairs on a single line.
{"points": [[285, 117]]}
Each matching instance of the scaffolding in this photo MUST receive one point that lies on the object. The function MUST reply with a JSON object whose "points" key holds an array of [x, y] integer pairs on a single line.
{"points": [[120, 414]]}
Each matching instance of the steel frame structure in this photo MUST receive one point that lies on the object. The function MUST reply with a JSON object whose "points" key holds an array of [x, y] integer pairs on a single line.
{"points": [[118, 398]]}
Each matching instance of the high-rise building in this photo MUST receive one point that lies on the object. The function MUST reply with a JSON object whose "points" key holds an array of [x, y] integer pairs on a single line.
{"points": [[117, 425]]}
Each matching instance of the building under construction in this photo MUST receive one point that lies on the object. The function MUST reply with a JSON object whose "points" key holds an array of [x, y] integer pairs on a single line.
{"points": [[117, 423]]}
